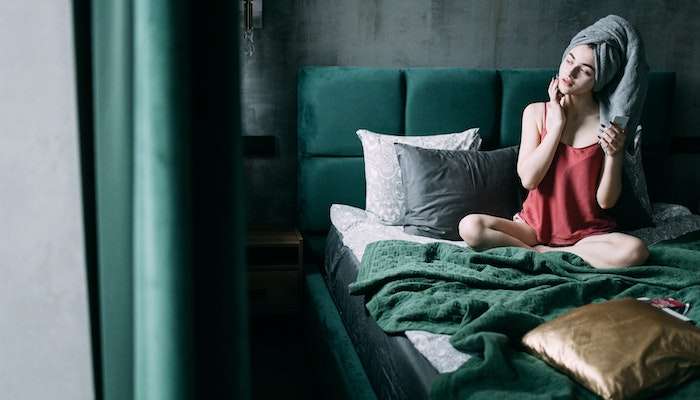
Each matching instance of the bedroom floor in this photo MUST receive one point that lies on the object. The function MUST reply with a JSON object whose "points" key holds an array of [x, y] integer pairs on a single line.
{"points": [[277, 358]]}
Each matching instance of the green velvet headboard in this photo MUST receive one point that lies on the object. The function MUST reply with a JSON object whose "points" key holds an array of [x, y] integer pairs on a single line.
{"points": [[333, 102]]}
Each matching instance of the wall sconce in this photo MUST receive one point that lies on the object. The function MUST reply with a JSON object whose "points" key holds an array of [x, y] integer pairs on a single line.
{"points": [[252, 19]]}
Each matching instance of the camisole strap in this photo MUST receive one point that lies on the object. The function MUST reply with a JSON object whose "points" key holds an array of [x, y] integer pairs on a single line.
{"points": [[544, 123]]}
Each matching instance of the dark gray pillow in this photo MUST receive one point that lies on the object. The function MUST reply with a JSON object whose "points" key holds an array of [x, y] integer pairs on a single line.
{"points": [[442, 186]]}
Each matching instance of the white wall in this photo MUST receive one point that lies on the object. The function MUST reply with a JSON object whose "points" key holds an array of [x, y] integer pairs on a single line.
{"points": [[44, 319]]}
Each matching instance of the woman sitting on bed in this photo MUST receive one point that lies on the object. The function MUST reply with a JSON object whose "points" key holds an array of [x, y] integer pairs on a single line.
{"points": [[572, 166]]}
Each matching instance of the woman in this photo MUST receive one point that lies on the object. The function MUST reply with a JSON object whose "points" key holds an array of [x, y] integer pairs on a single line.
{"points": [[572, 166]]}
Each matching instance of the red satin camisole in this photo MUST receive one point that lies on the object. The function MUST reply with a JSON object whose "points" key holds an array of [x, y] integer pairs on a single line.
{"points": [[563, 208]]}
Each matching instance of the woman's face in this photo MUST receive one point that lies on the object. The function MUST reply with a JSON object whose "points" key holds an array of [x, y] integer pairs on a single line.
{"points": [[577, 71]]}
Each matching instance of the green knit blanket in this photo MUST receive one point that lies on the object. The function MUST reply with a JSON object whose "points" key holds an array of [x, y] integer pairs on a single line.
{"points": [[488, 300]]}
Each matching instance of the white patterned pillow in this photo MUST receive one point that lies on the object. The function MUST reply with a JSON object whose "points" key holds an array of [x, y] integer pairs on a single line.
{"points": [[385, 195]]}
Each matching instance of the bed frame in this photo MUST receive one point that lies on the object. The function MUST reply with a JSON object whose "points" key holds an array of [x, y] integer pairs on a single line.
{"points": [[333, 102]]}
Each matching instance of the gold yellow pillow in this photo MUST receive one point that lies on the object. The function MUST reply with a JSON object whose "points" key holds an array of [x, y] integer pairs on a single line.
{"points": [[619, 349]]}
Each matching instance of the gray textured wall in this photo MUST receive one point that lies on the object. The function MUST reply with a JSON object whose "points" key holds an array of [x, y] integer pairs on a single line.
{"points": [[472, 34], [44, 331]]}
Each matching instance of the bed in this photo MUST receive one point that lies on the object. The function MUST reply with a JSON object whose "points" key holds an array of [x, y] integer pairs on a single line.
{"points": [[333, 102]]}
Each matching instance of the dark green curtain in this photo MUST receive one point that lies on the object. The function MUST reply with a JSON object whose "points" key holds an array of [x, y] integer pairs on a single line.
{"points": [[159, 99]]}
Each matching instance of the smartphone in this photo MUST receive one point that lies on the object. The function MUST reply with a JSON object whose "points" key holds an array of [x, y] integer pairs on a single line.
{"points": [[621, 121]]}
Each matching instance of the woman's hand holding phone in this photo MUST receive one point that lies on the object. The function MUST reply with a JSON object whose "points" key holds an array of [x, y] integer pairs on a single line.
{"points": [[556, 113], [612, 139]]}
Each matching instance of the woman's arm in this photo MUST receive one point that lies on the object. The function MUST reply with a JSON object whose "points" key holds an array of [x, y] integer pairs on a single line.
{"points": [[612, 140], [535, 157]]}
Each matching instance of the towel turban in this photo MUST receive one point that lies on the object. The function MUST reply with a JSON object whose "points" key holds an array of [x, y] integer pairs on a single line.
{"points": [[621, 69]]}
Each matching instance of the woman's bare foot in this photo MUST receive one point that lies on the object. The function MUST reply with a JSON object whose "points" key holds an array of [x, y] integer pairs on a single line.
{"points": [[540, 248]]}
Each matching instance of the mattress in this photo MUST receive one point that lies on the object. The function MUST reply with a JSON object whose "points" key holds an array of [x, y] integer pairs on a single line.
{"points": [[404, 366]]}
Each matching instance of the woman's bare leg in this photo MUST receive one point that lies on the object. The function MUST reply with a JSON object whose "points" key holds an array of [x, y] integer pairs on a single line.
{"points": [[609, 250], [482, 231]]}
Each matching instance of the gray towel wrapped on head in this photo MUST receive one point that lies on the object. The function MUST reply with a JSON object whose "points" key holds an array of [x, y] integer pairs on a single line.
{"points": [[621, 69]]}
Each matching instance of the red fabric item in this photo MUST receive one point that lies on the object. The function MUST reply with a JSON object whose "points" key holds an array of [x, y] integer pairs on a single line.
{"points": [[563, 208]]}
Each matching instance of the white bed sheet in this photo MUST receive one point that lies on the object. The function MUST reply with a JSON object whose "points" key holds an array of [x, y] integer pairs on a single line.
{"points": [[360, 228]]}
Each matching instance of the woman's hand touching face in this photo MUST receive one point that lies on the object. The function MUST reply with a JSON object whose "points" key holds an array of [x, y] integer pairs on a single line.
{"points": [[611, 139], [556, 113]]}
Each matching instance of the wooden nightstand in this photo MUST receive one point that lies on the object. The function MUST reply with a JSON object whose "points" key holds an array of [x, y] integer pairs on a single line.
{"points": [[274, 258]]}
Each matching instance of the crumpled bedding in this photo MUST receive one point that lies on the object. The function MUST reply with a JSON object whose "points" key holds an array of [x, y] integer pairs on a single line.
{"points": [[359, 228], [487, 300]]}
